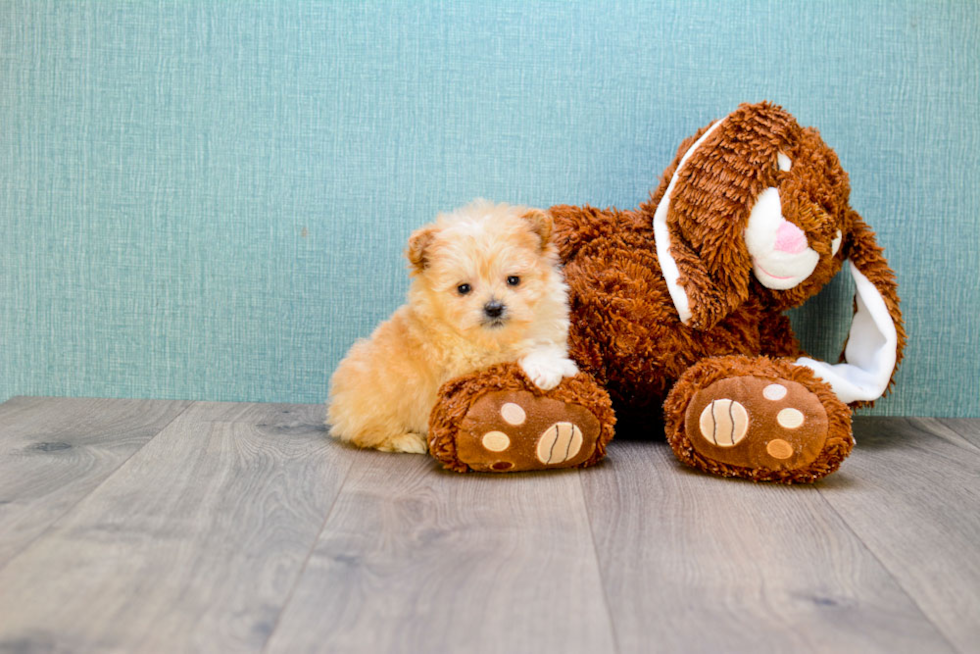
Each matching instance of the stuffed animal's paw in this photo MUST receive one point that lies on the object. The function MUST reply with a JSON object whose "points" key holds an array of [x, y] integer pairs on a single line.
{"points": [[759, 419], [498, 420], [507, 431]]}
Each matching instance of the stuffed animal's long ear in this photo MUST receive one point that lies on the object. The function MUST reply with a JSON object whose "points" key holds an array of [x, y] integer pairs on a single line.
{"points": [[877, 338], [703, 207]]}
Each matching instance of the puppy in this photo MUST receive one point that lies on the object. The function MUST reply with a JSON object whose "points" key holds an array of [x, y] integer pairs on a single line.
{"points": [[486, 288]]}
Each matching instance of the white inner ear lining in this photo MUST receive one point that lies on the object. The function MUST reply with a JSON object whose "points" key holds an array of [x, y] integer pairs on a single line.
{"points": [[783, 162], [872, 348]]}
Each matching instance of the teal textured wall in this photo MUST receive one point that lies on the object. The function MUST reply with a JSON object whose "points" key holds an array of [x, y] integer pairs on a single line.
{"points": [[209, 200]]}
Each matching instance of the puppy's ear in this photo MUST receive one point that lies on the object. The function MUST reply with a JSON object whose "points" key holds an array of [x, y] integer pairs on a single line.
{"points": [[419, 244], [541, 224]]}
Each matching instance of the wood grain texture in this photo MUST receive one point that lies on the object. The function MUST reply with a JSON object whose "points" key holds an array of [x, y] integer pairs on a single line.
{"points": [[168, 527], [192, 545], [415, 559], [55, 451], [695, 563], [966, 428], [914, 500]]}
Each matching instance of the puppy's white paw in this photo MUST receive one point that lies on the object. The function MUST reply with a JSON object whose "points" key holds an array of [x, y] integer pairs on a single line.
{"points": [[547, 370], [408, 442], [568, 368]]}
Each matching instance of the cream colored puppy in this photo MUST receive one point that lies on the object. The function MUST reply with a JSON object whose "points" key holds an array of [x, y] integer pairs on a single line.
{"points": [[486, 288]]}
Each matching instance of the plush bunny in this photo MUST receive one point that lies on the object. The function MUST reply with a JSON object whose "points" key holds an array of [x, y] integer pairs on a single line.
{"points": [[677, 310]]}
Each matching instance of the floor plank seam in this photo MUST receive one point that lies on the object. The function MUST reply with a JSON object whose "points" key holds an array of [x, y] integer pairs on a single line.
{"points": [[886, 568], [951, 426], [595, 551], [302, 569], [81, 499]]}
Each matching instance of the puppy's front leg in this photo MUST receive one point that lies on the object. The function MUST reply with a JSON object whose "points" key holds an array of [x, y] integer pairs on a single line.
{"points": [[546, 365], [409, 442]]}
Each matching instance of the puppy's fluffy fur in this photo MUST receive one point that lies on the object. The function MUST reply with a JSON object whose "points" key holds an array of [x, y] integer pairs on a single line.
{"points": [[486, 288]]}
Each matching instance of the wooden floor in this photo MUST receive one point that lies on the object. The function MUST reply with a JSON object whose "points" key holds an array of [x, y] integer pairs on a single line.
{"points": [[158, 526]]}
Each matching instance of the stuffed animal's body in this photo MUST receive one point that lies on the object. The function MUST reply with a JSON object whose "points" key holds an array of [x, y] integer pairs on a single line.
{"points": [[677, 307], [625, 331]]}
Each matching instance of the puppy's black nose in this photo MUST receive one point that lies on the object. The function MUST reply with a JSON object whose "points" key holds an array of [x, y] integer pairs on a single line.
{"points": [[494, 309]]}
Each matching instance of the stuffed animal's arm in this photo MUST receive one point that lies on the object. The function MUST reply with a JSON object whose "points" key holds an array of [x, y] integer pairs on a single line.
{"points": [[777, 338]]}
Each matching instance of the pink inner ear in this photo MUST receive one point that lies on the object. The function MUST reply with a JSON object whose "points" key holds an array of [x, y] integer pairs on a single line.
{"points": [[790, 238]]}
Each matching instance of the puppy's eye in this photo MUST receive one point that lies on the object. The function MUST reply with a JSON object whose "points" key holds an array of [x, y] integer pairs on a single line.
{"points": [[513, 280], [463, 289]]}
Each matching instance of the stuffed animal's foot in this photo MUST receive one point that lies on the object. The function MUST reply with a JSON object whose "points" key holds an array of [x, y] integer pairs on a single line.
{"points": [[498, 421], [757, 418], [514, 430]]}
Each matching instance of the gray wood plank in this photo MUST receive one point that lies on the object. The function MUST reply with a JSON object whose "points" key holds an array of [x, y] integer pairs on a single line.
{"points": [[696, 563], [192, 545], [966, 428], [912, 495], [55, 451], [415, 559]]}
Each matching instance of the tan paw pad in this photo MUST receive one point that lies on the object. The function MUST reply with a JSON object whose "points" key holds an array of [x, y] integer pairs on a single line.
{"points": [[774, 392], [724, 422], [779, 449], [513, 414], [790, 418], [496, 441], [559, 443]]}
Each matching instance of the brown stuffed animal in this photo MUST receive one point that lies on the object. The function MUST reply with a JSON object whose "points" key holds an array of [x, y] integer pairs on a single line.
{"points": [[677, 306]]}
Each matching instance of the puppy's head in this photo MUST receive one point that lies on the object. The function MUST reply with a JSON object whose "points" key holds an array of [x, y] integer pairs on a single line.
{"points": [[483, 269]]}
